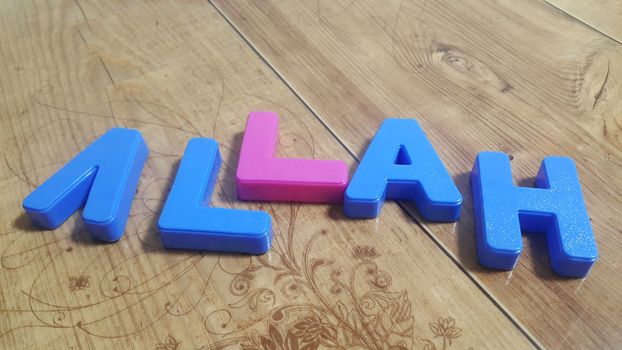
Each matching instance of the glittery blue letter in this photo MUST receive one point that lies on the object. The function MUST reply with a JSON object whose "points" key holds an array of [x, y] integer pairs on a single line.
{"points": [[555, 207]]}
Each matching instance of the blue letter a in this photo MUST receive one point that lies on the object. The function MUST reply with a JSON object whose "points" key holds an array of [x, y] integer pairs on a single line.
{"points": [[400, 163], [186, 221], [555, 207], [104, 175]]}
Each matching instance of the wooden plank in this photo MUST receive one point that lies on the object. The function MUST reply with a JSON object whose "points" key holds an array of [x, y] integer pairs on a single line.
{"points": [[519, 77], [71, 70], [604, 16]]}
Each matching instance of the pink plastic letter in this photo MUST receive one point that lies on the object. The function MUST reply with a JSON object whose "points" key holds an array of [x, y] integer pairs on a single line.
{"points": [[260, 176]]}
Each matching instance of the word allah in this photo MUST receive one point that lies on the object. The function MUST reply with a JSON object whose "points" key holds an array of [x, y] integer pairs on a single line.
{"points": [[400, 164]]}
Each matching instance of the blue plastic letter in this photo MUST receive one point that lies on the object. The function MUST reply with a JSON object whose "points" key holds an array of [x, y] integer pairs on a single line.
{"points": [[400, 163], [186, 221], [104, 175], [555, 207]]}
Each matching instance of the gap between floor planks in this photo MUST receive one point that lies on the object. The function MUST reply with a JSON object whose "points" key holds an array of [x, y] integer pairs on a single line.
{"points": [[497, 303]]}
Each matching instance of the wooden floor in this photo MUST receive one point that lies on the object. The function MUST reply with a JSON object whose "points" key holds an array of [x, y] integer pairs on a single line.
{"points": [[529, 78]]}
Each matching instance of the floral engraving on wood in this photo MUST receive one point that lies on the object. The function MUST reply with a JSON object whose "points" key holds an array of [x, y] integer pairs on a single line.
{"points": [[446, 330], [79, 282], [170, 343], [358, 309]]}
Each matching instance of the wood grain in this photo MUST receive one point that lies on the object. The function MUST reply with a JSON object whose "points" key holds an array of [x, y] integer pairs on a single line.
{"points": [[519, 77], [70, 70], [603, 16]]}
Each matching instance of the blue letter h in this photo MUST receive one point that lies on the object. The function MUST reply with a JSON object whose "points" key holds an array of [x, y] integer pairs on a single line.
{"points": [[555, 207]]}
